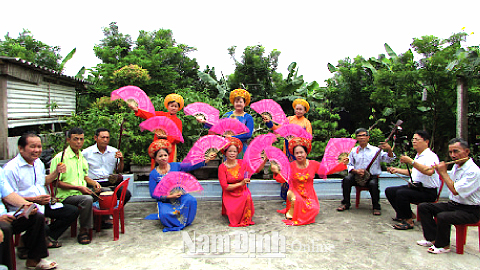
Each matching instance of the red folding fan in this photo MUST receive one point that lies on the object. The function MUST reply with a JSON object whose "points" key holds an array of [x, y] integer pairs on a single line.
{"points": [[208, 112], [177, 181], [272, 109], [277, 157], [229, 126], [253, 156], [205, 145], [162, 125], [293, 130], [135, 96]]}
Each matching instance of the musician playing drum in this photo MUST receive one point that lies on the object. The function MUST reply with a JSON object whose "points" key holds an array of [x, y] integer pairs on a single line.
{"points": [[361, 164], [426, 181]]}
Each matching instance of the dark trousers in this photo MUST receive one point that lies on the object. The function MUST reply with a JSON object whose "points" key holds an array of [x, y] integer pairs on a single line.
{"points": [[349, 181], [62, 218], [400, 198], [446, 214], [33, 239]]}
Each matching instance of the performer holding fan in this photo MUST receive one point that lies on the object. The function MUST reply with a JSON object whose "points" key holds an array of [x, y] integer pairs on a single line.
{"points": [[239, 99], [173, 103], [176, 210]]}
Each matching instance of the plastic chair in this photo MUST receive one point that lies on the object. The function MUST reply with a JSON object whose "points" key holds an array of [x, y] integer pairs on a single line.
{"points": [[357, 197], [12, 253], [461, 234], [116, 210], [438, 197]]}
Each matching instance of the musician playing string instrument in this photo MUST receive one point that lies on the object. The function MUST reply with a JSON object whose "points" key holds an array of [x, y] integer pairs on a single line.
{"points": [[426, 181], [360, 158]]}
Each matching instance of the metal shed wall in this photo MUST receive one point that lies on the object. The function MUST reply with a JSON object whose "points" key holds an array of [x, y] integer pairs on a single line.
{"points": [[27, 103]]}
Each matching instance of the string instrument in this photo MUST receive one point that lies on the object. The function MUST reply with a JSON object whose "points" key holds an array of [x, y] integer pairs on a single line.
{"points": [[53, 199], [116, 177], [362, 180]]}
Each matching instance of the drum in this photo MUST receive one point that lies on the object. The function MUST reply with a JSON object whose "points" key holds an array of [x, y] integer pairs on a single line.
{"points": [[106, 198]]}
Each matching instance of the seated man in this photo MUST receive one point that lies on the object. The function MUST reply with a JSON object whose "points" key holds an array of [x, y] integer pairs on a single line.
{"points": [[425, 179], [464, 205], [72, 187], [34, 228], [26, 175], [360, 158], [102, 162]]}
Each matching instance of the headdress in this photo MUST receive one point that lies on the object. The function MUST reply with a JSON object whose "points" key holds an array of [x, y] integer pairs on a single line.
{"points": [[159, 144], [174, 97], [302, 102], [240, 93], [233, 141], [298, 141]]}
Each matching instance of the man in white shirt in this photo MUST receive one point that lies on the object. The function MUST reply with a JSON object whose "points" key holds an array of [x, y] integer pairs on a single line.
{"points": [[426, 181], [359, 159], [464, 205], [26, 176], [102, 159], [34, 228]]}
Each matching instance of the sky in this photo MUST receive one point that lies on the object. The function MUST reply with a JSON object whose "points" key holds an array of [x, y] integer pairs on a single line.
{"points": [[311, 33]]}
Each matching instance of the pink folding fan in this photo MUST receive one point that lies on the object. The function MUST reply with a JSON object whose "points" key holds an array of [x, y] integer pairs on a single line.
{"points": [[162, 125], [229, 126], [208, 112], [177, 182], [293, 130], [254, 154], [272, 109], [135, 96], [205, 145], [277, 157]]}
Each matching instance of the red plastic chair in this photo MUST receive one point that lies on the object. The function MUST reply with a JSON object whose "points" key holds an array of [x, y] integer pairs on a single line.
{"points": [[438, 197], [116, 210], [357, 197], [461, 234]]}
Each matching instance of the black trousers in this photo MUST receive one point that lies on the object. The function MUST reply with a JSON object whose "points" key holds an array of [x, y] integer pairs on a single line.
{"points": [[447, 214], [400, 198], [34, 238], [349, 181], [62, 218]]}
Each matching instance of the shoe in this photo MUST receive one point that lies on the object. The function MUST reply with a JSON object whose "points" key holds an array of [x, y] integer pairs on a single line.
{"points": [[106, 225], [343, 207], [435, 250], [424, 243], [83, 238], [51, 243], [44, 265], [403, 226], [377, 212]]}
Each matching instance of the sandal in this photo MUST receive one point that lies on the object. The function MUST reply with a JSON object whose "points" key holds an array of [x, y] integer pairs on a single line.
{"points": [[51, 243], [343, 207], [435, 250], [424, 243], [403, 226], [376, 212], [44, 265], [83, 239]]}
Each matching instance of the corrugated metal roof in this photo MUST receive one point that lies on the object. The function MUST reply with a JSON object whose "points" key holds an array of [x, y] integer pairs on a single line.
{"points": [[42, 69]]}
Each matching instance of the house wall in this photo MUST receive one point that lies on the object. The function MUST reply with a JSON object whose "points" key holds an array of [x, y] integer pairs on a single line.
{"points": [[27, 103]]}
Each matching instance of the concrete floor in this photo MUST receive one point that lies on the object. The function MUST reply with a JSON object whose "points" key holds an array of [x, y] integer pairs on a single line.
{"points": [[353, 239]]}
